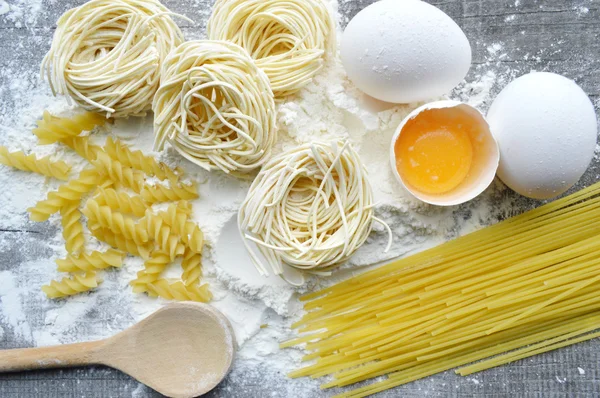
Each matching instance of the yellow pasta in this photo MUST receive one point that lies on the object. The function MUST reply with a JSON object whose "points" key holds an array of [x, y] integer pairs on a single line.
{"points": [[530, 281], [83, 147], [44, 166], [74, 190], [176, 216], [115, 221], [91, 262], [122, 202], [137, 160], [72, 227], [122, 220], [153, 267], [78, 283], [52, 129], [178, 291], [162, 234], [120, 242], [128, 177], [192, 267], [174, 192]]}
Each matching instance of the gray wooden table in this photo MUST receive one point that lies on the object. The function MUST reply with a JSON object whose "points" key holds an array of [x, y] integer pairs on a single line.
{"points": [[506, 35]]}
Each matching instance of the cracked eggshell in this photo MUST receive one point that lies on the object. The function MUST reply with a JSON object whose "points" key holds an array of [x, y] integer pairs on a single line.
{"points": [[546, 128], [485, 164], [404, 51]]}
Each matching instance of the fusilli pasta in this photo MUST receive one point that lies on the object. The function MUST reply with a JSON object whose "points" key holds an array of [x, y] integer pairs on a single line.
{"points": [[137, 160], [83, 147], [176, 191], [179, 291], [192, 267], [72, 227], [72, 191], [153, 267], [120, 242], [162, 234], [52, 129], [78, 283], [91, 262], [44, 166], [122, 202], [128, 177], [115, 221]]}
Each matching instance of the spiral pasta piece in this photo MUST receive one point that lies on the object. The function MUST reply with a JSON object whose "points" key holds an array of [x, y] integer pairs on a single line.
{"points": [[176, 217], [78, 283], [137, 160], [128, 177], [72, 191], [310, 207], [115, 221], [153, 267], [44, 166], [288, 39], [91, 262], [215, 107], [120, 242], [179, 291], [161, 232], [122, 202], [83, 147], [192, 267], [159, 193], [52, 129], [106, 54], [72, 227]]}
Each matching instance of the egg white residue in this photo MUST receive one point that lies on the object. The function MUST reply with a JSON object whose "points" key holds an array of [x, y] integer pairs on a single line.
{"points": [[404, 51], [546, 128]]}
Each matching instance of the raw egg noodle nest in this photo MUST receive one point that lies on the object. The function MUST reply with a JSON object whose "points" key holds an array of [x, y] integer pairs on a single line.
{"points": [[310, 207], [106, 54], [288, 39], [215, 107]]}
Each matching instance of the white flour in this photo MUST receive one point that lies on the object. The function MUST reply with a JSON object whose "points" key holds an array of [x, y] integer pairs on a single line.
{"points": [[260, 309]]}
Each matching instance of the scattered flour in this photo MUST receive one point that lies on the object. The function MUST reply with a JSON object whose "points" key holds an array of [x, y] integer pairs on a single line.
{"points": [[260, 309]]}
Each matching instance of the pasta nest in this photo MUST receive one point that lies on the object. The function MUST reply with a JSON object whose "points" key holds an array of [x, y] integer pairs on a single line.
{"points": [[310, 207], [215, 107], [106, 54], [288, 39]]}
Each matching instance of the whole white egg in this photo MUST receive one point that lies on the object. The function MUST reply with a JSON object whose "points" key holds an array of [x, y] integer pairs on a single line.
{"points": [[404, 51], [546, 129]]}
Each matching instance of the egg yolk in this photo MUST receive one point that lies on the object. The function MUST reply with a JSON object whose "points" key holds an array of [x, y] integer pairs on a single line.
{"points": [[434, 159]]}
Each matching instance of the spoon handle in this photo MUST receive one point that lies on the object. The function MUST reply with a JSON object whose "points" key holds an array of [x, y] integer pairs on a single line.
{"points": [[48, 357]]}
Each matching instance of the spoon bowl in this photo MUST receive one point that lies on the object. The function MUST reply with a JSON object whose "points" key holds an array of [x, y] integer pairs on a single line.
{"points": [[182, 350]]}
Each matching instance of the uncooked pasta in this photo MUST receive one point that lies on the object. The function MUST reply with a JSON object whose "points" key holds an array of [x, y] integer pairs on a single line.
{"points": [[106, 54], [215, 107], [288, 39], [524, 286], [310, 207]]}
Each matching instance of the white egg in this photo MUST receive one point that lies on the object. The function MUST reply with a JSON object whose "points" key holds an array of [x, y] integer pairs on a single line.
{"points": [[404, 51], [546, 128]]}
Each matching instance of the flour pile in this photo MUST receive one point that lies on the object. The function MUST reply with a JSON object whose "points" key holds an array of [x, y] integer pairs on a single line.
{"points": [[260, 309]]}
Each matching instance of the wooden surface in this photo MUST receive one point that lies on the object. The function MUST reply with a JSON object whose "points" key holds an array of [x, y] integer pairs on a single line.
{"points": [[509, 37]]}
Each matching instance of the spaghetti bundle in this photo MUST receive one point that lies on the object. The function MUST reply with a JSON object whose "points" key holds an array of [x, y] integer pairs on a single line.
{"points": [[215, 107], [310, 207], [521, 287], [106, 54], [288, 39]]}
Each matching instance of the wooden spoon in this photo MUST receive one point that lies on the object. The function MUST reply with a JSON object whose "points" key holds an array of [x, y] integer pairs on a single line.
{"points": [[182, 350]]}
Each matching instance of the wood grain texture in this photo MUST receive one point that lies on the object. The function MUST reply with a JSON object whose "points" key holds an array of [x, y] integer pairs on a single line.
{"points": [[509, 37]]}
